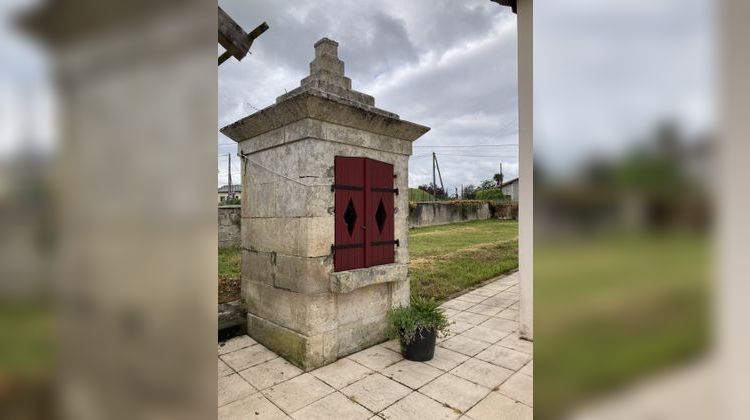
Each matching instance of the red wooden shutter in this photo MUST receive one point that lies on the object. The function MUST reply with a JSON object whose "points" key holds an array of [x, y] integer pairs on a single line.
{"points": [[380, 204], [350, 213]]}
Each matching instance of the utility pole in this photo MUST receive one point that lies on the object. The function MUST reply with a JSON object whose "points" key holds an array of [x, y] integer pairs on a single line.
{"points": [[434, 184], [440, 176], [229, 168]]}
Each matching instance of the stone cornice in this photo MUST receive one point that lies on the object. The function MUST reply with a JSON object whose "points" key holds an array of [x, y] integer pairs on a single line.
{"points": [[327, 107]]}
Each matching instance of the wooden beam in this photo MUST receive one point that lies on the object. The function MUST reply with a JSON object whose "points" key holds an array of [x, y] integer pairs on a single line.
{"points": [[234, 39]]}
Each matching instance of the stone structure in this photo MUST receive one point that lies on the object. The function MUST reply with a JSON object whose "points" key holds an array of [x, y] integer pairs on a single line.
{"points": [[230, 222], [437, 213], [297, 305]]}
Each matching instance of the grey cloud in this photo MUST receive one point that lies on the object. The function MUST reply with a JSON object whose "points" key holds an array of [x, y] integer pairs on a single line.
{"points": [[439, 63]]}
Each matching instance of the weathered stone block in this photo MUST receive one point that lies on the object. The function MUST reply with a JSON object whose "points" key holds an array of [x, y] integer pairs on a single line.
{"points": [[346, 281], [362, 303], [400, 293], [304, 237], [306, 314], [259, 266], [305, 352], [361, 334], [302, 274]]}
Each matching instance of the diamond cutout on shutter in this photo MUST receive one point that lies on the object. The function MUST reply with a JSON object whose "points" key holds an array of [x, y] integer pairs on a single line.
{"points": [[380, 216], [350, 216]]}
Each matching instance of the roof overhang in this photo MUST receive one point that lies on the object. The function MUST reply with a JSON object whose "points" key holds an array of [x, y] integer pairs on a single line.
{"points": [[513, 4]]}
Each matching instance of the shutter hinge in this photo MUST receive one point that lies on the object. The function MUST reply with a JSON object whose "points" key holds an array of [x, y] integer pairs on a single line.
{"points": [[390, 190], [335, 187], [391, 242]]}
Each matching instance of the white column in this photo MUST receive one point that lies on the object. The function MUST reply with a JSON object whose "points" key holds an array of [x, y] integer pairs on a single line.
{"points": [[526, 167]]}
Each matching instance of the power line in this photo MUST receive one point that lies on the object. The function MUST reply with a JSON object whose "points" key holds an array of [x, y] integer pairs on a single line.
{"points": [[472, 145], [482, 156]]}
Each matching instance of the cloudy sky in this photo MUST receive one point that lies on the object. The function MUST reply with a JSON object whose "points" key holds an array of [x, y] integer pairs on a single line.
{"points": [[606, 72], [450, 65]]}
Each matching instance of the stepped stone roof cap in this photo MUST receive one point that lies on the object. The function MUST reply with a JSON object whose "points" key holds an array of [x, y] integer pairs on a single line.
{"points": [[327, 95]]}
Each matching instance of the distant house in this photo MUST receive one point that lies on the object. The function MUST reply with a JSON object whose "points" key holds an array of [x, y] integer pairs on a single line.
{"points": [[510, 189], [224, 192]]}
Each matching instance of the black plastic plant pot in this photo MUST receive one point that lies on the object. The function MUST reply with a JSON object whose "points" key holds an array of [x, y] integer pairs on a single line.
{"points": [[422, 348]]}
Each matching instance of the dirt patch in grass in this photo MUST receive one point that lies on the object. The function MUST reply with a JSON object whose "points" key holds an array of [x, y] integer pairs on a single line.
{"points": [[230, 267]]}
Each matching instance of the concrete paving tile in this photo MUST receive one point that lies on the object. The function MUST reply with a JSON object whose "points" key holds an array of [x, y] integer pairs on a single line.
{"points": [[512, 341], [509, 314], [499, 302], [457, 393], [393, 345], [499, 324], [457, 305], [482, 373], [489, 335], [508, 295], [341, 373], [449, 313], [297, 392], [334, 406], [497, 286], [464, 345], [376, 357], [519, 387], [376, 392], [224, 369], [483, 309], [457, 327], [505, 357], [248, 357], [499, 407], [412, 374], [236, 343], [417, 406], [446, 359], [232, 388], [484, 291], [253, 407], [471, 298], [528, 369], [471, 318], [270, 373]]}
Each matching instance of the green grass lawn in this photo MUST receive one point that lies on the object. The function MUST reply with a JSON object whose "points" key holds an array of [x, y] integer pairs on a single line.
{"points": [[611, 309], [230, 263], [415, 194], [448, 259], [444, 259], [26, 339]]}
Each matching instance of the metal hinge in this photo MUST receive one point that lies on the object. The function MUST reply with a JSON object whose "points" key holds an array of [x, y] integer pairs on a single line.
{"points": [[335, 187], [392, 190]]}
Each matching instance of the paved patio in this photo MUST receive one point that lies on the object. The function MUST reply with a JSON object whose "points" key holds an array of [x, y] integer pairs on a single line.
{"points": [[481, 371]]}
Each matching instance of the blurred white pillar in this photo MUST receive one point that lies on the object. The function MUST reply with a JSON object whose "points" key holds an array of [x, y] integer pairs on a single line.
{"points": [[526, 166]]}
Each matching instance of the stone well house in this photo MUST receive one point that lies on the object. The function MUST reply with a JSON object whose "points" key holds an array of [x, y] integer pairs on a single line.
{"points": [[324, 228]]}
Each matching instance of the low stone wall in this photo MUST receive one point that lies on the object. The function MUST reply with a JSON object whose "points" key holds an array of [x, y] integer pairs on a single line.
{"points": [[437, 213], [230, 221]]}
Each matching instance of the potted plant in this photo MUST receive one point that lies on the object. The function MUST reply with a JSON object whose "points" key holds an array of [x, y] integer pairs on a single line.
{"points": [[417, 327]]}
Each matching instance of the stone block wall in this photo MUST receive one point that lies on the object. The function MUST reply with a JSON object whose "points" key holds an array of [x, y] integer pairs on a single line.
{"points": [[296, 304], [437, 213], [230, 222]]}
